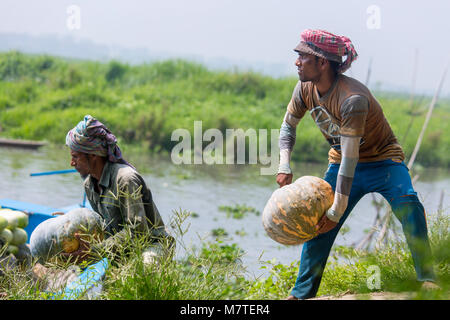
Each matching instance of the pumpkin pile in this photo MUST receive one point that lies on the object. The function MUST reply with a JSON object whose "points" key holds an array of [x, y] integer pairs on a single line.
{"points": [[292, 212], [57, 235], [12, 233]]}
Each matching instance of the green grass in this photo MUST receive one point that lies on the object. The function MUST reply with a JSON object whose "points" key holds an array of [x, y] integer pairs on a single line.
{"points": [[238, 211], [214, 271], [42, 97], [355, 273]]}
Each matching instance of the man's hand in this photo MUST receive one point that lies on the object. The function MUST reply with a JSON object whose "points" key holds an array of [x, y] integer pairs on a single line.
{"points": [[81, 254], [325, 224], [284, 179]]}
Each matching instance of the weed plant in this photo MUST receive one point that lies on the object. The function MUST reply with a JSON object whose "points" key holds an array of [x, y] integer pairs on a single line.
{"points": [[212, 272], [393, 262], [238, 211]]}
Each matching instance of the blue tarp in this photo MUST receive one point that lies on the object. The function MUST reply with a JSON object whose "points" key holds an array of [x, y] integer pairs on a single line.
{"points": [[86, 284]]}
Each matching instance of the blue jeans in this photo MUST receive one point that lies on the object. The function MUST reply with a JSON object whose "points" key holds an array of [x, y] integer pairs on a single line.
{"points": [[392, 181]]}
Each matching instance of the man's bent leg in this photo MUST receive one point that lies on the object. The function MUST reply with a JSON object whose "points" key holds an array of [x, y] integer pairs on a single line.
{"points": [[312, 263], [410, 212], [315, 251], [412, 217]]}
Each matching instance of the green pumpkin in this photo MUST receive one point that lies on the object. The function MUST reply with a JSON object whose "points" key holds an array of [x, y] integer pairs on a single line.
{"points": [[12, 249], [57, 235], [3, 223], [11, 218], [6, 235], [20, 236], [22, 219], [292, 212]]}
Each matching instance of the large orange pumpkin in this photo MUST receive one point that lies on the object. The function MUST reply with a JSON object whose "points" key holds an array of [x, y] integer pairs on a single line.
{"points": [[292, 212]]}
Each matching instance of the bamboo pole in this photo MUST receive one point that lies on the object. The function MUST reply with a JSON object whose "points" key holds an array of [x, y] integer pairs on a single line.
{"points": [[412, 96], [369, 72], [366, 241], [441, 204], [386, 219], [427, 119], [414, 77], [384, 230], [414, 114]]}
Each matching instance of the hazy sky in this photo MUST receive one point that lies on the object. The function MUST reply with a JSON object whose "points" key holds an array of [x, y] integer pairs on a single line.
{"points": [[388, 32]]}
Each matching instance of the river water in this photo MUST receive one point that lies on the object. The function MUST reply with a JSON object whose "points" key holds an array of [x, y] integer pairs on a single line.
{"points": [[201, 189]]}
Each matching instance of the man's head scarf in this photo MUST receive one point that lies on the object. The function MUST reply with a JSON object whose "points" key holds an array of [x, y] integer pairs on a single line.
{"points": [[93, 137], [328, 46]]}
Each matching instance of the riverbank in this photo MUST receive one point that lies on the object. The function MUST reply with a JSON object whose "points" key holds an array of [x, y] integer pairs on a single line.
{"points": [[42, 97]]}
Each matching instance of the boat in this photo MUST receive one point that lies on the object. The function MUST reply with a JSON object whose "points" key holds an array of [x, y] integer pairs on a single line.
{"points": [[89, 280], [16, 143]]}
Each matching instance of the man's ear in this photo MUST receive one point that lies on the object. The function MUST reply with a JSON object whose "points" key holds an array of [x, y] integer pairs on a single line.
{"points": [[323, 63], [95, 158], [88, 156]]}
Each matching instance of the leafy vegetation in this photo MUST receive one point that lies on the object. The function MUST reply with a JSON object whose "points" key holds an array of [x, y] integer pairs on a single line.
{"points": [[215, 271], [350, 271], [42, 97], [238, 211]]}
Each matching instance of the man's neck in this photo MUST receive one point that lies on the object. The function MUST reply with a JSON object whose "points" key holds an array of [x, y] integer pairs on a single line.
{"points": [[325, 82], [97, 168]]}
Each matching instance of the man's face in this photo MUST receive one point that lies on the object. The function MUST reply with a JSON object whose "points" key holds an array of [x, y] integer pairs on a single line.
{"points": [[308, 67], [80, 161]]}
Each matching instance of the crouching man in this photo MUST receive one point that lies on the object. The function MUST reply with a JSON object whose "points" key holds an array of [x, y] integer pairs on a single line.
{"points": [[116, 191]]}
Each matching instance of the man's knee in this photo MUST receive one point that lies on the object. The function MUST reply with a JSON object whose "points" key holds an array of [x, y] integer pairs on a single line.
{"points": [[411, 213], [404, 204]]}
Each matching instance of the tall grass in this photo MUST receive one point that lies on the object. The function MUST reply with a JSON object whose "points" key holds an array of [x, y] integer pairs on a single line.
{"points": [[350, 271], [210, 272], [213, 271]]}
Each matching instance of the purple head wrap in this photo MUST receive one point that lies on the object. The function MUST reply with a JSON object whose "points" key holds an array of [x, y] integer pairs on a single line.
{"points": [[93, 137]]}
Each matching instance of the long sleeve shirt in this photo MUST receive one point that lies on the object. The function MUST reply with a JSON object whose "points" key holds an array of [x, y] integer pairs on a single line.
{"points": [[122, 199]]}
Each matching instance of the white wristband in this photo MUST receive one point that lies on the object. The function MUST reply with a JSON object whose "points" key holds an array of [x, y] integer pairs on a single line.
{"points": [[285, 159], [333, 215]]}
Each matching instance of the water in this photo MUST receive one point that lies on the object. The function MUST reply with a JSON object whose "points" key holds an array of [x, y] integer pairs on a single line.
{"points": [[200, 189]]}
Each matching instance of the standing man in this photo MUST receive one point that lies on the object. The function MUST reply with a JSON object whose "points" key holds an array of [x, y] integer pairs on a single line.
{"points": [[364, 156], [114, 188]]}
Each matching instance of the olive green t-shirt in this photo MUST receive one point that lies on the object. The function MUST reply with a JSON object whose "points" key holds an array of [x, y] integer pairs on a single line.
{"points": [[124, 199], [348, 109]]}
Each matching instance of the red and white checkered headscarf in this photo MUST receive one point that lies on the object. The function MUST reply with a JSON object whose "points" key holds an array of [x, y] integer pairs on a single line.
{"points": [[330, 46]]}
